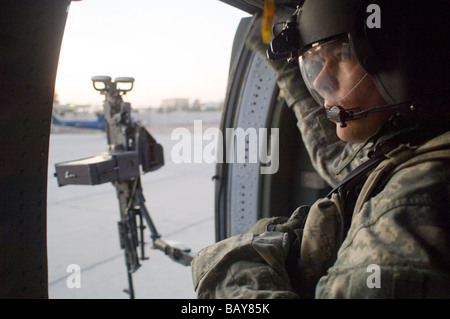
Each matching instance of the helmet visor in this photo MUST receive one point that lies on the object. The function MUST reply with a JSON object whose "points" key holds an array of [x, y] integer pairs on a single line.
{"points": [[330, 71]]}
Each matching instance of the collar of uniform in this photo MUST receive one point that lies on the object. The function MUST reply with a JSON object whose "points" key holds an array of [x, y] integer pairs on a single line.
{"points": [[380, 143], [346, 161]]}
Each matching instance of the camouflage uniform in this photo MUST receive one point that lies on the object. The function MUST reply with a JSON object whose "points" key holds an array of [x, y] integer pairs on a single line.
{"points": [[399, 223], [390, 221]]}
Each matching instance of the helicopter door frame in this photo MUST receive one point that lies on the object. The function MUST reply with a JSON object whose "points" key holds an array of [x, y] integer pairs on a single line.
{"points": [[31, 36]]}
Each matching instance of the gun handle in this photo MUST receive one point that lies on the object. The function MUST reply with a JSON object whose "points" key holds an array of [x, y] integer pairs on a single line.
{"points": [[101, 82], [128, 80]]}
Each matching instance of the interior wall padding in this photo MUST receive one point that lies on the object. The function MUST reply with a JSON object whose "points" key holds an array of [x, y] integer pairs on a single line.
{"points": [[30, 41]]}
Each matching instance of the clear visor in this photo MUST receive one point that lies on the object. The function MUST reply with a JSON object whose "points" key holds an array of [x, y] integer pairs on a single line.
{"points": [[330, 71]]}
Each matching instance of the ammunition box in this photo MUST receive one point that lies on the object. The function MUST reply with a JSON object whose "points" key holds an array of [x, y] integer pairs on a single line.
{"points": [[98, 169]]}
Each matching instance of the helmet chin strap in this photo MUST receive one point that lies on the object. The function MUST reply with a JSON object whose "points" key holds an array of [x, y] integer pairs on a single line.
{"points": [[340, 115]]}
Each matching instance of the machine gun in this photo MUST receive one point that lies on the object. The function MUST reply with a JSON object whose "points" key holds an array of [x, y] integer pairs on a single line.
{"points": [[131, 149]]}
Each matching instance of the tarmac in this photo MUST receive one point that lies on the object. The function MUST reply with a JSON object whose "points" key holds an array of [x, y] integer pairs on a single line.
{"points": [[85, 260]]}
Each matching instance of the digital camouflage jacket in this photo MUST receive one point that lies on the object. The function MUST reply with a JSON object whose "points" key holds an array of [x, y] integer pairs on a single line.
{"points": [[395, 245], [383, 234]]}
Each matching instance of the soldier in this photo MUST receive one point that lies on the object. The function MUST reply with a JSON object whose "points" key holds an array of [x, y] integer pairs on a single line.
{"points": [[383, 231]]}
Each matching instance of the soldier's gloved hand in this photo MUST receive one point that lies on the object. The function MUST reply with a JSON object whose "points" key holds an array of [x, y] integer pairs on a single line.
{"points": [[289, 78], [292, 228], [282, 224], [267, 224]]}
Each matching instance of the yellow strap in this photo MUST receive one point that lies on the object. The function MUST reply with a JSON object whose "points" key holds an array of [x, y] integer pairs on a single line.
{"points": [[267, 20]]}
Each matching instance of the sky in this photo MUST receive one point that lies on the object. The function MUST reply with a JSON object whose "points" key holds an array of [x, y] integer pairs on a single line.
{"points": [[173, 49]]}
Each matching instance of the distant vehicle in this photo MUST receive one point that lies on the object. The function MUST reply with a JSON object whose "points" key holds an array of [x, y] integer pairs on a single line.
{"points": [[98, 124]]}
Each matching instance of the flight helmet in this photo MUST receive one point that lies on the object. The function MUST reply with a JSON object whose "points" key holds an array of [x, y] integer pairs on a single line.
{"points": [[401, 45]]}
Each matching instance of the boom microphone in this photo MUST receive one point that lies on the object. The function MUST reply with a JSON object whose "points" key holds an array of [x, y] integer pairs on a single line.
{"points": [[340, 115]]}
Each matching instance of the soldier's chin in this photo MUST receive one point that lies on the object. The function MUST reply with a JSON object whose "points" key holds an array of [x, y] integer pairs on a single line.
{"points": [[348, 133]]}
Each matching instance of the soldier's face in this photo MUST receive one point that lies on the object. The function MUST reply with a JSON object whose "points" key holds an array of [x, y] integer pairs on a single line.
{"points": [[338, 79], [364, 96]]}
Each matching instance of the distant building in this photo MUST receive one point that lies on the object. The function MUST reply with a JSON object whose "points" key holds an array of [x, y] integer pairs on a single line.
{"points": [[211, 106], [173, 105], [196, 105]]}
